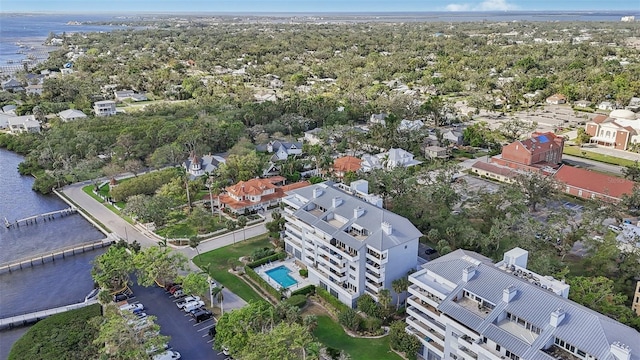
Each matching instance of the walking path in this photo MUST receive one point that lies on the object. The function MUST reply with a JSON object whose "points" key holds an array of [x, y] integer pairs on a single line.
{"points": [[38, 315], [123, 230]]}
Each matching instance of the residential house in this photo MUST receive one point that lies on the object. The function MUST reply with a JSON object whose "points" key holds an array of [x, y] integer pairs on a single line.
{"points": [[388, 160], [493, 171], [618, 130], [436, 152], [378, 118], [634, 104], [71, 114], [313, 136], [281, 150], [346, 164], [23, 124], [635, 305], [556, 99], [463, 306], [12, 85], [582, 103], [256, 194], [104, 108], [606, 105], [408, 125], [349, 246], [123, 95], [9, 109], [35, 89], [198, 166], [591, 185], [454, 137]]}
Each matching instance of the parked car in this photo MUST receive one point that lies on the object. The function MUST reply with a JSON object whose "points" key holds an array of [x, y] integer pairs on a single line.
{"points": [[167, 355], [212, 331], [178, 294], [132, 307], [201, 315], [615, 229], [175, 288], [430, 251], [193, 305], [120, 297], [169, 285], [180, 304]]}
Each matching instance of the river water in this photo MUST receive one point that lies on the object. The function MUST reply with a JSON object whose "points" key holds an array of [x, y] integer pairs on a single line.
{"points": [[44, 286]]}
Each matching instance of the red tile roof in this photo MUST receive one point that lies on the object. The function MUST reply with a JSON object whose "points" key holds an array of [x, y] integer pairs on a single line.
{"points": [[599, 119], [279, 193], [347, 163], [594, 181]]}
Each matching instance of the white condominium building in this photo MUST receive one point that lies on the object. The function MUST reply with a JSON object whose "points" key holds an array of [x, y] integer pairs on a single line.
{"points": [[349, 245], [462, 306]]}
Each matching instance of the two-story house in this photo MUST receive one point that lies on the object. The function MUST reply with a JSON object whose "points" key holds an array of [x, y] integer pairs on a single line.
{"points": [[256, 194], [462, 306], [23, 124], [350, 246], [201, 165], [104, 108], [281, 150], [388, 160]]}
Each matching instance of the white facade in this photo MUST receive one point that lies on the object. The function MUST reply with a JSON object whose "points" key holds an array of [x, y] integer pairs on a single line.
{"points": [[388, 160], [104, 108], [23, 124], [350, 246], [462, 306]]}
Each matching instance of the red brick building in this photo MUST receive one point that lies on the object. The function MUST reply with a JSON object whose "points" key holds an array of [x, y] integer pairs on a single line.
{"points": [[591, 185], [532, 154]]}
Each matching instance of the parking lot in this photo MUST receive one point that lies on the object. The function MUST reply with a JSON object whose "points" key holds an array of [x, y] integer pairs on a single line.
{"points": [[188, 338]]}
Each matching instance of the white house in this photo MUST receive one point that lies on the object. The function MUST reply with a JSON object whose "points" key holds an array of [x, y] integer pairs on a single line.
{"points": [[409, 125], [349, 246], [606, 105], [378, 118], [281, 150], [104, 108], [71, 114], [129, 94], [23, 124], [198, 166], [462, 306], [313, 136], [454, 137], [35, 89], [389, 160]]}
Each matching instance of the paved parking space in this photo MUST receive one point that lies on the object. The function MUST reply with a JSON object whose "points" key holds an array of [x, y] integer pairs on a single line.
{"points": [[189, 338]]}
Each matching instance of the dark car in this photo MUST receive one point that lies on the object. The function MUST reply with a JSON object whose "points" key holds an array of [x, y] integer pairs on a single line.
{"points": [[430, 251], [201, 315], [212, 331], [120, 297], [175, 288]]}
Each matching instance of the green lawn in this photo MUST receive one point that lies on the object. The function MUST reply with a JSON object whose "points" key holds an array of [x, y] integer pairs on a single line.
{"points": [[89, 191], [331, 334], [577, 151], [219, 260]]}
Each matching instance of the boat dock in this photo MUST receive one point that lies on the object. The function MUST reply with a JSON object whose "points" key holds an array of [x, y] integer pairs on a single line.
{"points": [[51, 256], [30, 318], [43, 217]]}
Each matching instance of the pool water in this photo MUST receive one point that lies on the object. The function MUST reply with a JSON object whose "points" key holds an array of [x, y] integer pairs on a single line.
{"points": [[281, 276]]}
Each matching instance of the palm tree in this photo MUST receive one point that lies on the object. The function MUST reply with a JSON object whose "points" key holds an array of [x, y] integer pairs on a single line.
{"points": [[242, 223], [217, 293], [399, 286], [231, 225]]}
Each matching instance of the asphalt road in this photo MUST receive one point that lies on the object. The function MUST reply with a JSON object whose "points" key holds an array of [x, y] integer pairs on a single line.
{"points": [[191, 340], [592, 165]]}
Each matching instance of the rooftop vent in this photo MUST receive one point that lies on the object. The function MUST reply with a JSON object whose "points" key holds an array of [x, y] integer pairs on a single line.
{"points": [[468, 273], [386, 228], [556, 317], [357, 212]]}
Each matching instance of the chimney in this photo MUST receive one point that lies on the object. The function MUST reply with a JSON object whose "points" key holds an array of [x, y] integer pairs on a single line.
{"points": [[317, 192], [468, 273], [620, 351], [556, 317], [336, 201], [509, 293], [357, 212], [386, 228]]}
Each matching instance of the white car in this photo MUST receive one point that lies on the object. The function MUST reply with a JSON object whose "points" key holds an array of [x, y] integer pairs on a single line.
{"points": [[615, 229], [167, 355], [186, 300], [132, 307], [193, 305]]}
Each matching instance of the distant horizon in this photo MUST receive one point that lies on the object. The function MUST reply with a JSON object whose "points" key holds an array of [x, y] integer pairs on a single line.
{"points": [[310, 6]]}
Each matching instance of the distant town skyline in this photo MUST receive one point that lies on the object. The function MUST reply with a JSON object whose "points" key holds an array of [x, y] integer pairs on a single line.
{"points": [[306, 6]]}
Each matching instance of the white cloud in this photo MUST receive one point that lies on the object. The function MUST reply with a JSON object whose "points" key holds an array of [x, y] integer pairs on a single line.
{"points": [[458, 7], [495, 5]]}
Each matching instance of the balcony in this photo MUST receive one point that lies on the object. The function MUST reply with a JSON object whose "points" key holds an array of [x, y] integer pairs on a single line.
{"points": [[424, 295], [428, 340], [378, 260], [466, 353], [423, 306], [426, 329], [333, 256], [374, 277], [295, 241], [375, 286], [326, 261], [296, 231], [373, 267]]}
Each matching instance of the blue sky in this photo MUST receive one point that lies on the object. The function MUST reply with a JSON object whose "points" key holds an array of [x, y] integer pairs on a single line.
{"points": [[214, 6]]}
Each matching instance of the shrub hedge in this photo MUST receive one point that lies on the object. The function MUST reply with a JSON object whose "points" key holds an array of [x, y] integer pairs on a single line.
{"points": [[297, 300], [309, 289], [270, 258], [260, 281], [304, 273], [333, 301]]}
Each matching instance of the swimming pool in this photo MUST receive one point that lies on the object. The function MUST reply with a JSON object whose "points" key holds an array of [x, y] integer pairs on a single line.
{"points": [[281, 276]]}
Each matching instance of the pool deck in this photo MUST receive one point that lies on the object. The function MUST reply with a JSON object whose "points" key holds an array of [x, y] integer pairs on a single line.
{"points": [[294, 273]]}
